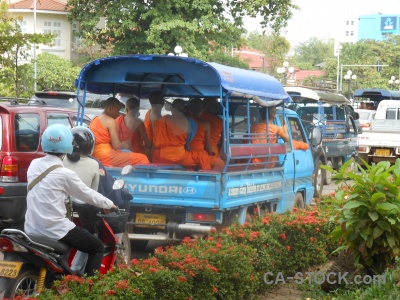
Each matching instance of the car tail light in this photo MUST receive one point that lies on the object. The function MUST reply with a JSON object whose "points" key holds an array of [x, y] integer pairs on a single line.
{"points": [[362, 149], [9, 169], [201, 217], [366, 125]]}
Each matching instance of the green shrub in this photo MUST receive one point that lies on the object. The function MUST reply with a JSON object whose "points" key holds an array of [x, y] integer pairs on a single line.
{"points": [[367, 216]]}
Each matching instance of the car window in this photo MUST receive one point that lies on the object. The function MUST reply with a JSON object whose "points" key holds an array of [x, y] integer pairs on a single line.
{"points": [[27, 128], [54, 118]]}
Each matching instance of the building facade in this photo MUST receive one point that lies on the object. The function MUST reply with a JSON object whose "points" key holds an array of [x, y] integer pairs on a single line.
{"points": [[377, 26], [49, 16]]}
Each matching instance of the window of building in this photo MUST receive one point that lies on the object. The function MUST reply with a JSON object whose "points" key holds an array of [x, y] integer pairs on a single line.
{"points": [[347, 33], [76, 40], [352, 22], [22, 25], [53, 27], [347, 22], [351, 33]]}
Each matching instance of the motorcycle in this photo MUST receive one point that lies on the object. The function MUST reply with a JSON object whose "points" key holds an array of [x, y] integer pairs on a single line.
{"points": [[31, 263]]}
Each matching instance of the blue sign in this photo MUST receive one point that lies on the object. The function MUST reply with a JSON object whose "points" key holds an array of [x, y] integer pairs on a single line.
{"points": [[389, 24]]}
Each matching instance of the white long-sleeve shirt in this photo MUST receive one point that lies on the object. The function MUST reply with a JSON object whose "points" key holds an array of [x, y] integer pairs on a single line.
{"points": [[46, 211]]}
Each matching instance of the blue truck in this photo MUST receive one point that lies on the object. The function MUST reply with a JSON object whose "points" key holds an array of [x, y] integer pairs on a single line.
{"points": [[170, 202]]}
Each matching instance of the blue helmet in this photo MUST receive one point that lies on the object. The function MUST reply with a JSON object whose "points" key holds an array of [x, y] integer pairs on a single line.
{"points": [[57, 138]]}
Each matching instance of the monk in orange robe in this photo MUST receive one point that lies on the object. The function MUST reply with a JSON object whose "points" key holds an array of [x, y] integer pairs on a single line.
{"points": [[216, 125], [170, 134], [201, 140], [108, 147], [131, 128], [259, 132], [156, 100]]}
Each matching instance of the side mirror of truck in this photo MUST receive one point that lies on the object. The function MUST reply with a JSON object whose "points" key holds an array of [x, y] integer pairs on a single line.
{"points": [[316, 136]]}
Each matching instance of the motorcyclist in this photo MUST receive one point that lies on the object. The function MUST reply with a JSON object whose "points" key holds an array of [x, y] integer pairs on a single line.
{"points": [[94, 175], [46, 210]]}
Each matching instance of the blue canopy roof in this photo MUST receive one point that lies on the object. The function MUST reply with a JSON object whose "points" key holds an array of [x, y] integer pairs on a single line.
{"points": [[177, 77], [377, 93]]}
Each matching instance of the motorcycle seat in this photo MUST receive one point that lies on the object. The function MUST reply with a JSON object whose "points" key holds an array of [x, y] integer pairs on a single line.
{"points": [[58, 247]]}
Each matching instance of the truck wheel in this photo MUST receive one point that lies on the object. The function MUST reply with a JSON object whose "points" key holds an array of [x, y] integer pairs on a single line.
{"points": [[124, 251], [25, 284], [318, 181], [328, 175], [299, 201]]}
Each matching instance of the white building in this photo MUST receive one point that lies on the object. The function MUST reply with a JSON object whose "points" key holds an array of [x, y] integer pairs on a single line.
{"points": [[51, 17]]}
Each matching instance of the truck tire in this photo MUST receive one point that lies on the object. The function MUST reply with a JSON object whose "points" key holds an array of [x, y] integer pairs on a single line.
{"points": [[328, 175], [298, 201], [124, 253], [25, 284], [319, 180]]}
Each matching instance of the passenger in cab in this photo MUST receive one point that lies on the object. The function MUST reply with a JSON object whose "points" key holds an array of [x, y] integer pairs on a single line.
{"points": [[259, 133], [131, 128], [108, 147], [216, 125], [170, 138], [201, 140]]}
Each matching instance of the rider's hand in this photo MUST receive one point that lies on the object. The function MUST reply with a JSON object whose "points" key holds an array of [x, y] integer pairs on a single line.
{"points": [[108, 211]]}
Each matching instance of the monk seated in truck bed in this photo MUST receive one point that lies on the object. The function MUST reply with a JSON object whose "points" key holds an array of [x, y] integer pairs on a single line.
{"points": [[170, 138]]}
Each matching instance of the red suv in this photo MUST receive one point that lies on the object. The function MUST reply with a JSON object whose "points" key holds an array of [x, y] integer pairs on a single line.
{"points": [[19, 144]]}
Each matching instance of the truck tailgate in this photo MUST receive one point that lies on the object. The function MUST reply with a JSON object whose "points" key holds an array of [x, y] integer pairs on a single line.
{"points": [[172, 187]]}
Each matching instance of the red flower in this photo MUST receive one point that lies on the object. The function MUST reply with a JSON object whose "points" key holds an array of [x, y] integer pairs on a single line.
{"points": [[153, 270], [214, 289], [135, 261], [317, 229], [136, 291], [182, 279], [288, 248], [110, 292], [283, 236], [122, 284]]}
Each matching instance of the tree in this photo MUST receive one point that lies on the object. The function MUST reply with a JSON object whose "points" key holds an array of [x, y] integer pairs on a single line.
{"points": [[156, 27], [14, 46], [312, 52], [53, 72], [274, 47]]}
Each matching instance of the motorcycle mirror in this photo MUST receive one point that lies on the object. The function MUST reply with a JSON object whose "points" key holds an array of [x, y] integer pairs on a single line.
{"points": [[118, 184], [126, 170]]}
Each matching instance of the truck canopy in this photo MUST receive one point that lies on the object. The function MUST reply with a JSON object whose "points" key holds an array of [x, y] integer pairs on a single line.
{"points": [[304, 95], [177, 77], [376, 94]]}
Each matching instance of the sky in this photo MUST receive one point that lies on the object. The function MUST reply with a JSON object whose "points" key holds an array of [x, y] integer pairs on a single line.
{"points": [[320, 18]]}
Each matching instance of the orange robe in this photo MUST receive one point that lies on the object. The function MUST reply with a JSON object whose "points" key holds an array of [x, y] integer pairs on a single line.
{"points": [[148, 125], [169, 141], [299, 145], [216, 126], [108, 156], [198, 144], [125, 134], [273, 132]]}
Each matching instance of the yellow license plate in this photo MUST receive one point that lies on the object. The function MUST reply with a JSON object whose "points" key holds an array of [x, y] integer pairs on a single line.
{"points": [[150, 219], [382, 152], [9, 269]]}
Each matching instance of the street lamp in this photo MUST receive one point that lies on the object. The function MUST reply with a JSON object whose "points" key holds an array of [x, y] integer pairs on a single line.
{"points": [[178, 52], [349, 76], [392, 81], [284, 70]]}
